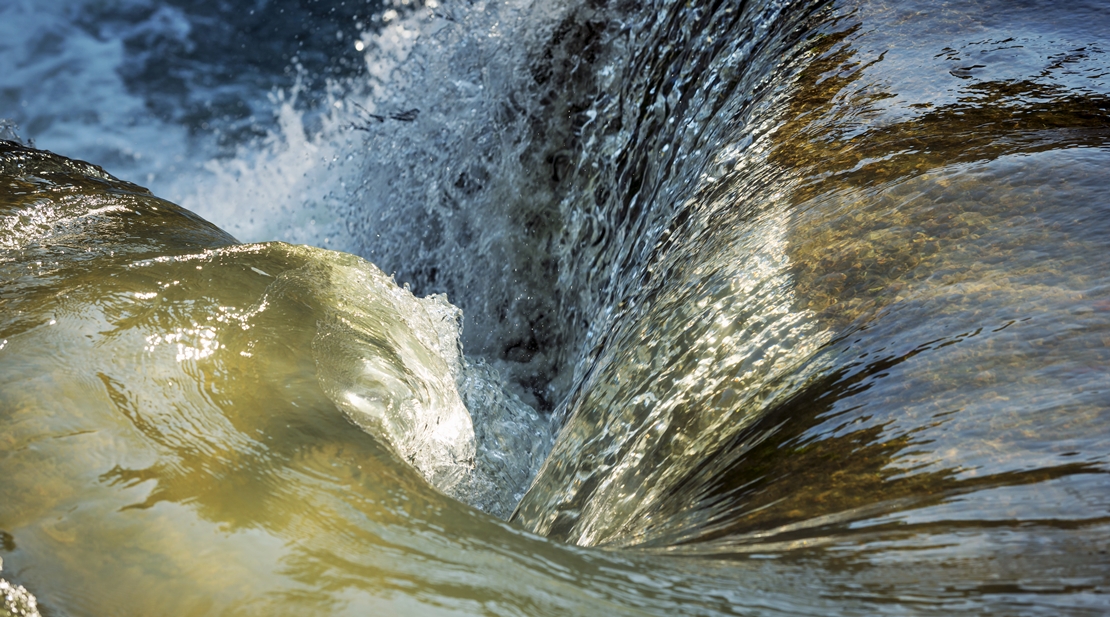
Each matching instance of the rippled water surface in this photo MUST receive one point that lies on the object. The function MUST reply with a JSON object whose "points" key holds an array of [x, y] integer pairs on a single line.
{"points": [[766, 308]]}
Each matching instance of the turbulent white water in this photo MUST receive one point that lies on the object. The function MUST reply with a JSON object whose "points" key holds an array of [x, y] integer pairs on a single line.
{"points": [[333, 175], [817, 287]]}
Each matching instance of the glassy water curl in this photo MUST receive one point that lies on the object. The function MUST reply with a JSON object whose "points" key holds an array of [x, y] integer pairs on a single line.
{"points": [[766, 308]]}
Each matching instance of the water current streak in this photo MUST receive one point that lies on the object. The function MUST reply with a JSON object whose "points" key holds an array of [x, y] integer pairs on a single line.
{"points": [[814, 294]]}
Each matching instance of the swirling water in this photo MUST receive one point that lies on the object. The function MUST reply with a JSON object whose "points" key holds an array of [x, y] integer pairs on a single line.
{"points": [[811, 298]]}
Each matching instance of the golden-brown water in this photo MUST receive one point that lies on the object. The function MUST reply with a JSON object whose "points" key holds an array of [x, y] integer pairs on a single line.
{"points": [[822, 315]]}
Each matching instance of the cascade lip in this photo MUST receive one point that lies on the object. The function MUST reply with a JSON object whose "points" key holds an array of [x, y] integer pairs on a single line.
{"points": [[388, 360], [801, 318]]}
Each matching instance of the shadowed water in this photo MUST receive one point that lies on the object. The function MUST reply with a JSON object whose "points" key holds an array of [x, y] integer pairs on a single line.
{"points": [[813, 298]]}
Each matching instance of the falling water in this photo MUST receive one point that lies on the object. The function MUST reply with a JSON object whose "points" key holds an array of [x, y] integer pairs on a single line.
{"points": [[547, 308]]}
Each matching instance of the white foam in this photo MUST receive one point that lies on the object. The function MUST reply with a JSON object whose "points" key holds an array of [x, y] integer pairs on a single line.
{"points": [[63, 88]]}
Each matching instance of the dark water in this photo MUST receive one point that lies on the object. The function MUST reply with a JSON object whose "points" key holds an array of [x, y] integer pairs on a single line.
{"points": [[812, 299]]}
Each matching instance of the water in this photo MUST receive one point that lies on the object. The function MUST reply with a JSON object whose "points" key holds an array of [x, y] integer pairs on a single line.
{"points": [[811, 299]]}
